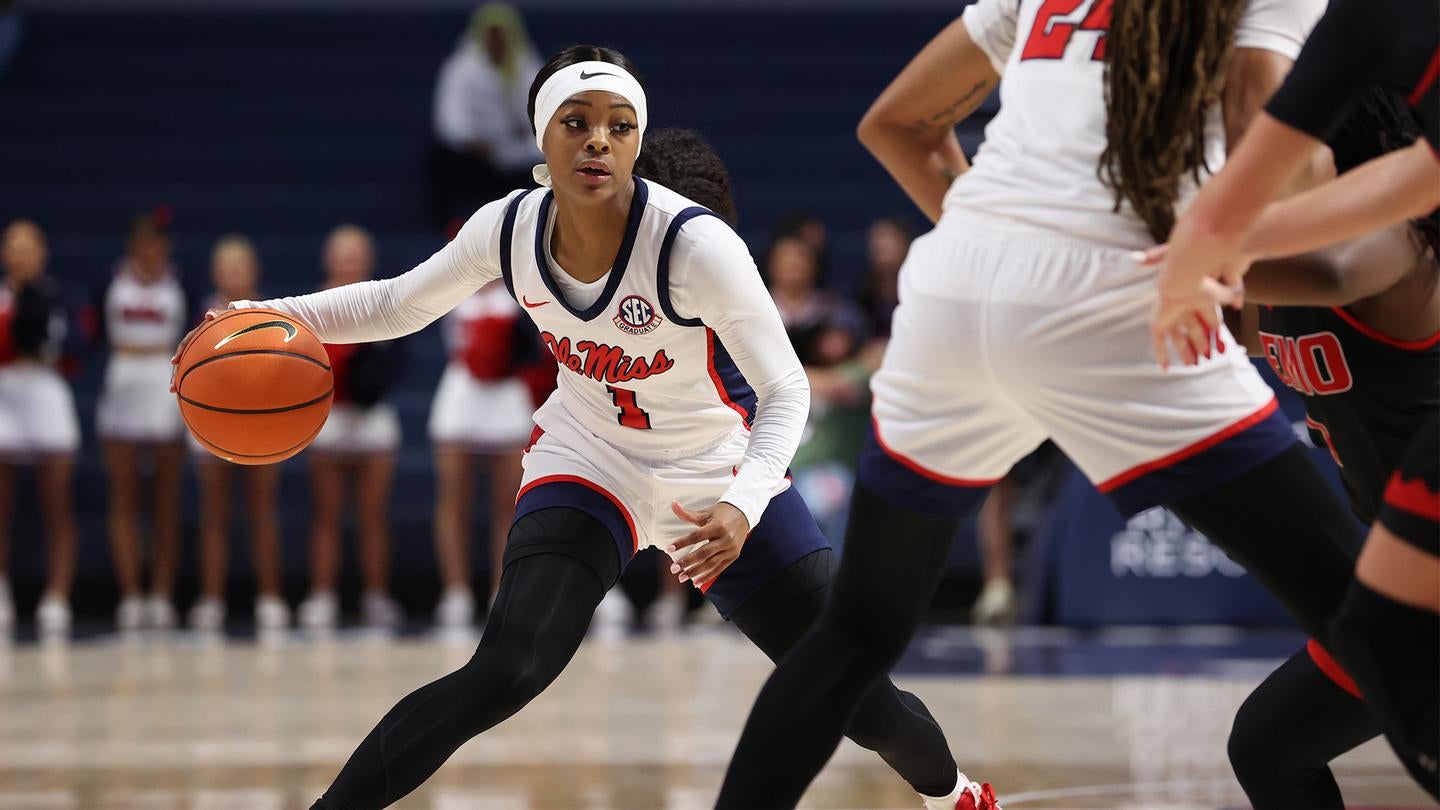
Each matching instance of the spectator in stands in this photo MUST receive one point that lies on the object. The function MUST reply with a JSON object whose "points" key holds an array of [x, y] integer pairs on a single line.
{"points": [[827, 332], [810, 229], [483, 146], [357, 444], [142, 314], [235, 272], [37, 417], [887, 241], [482, 411]]}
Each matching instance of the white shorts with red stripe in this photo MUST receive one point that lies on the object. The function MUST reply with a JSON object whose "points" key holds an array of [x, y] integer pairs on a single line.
{"points": [[1007, 336], [568, 466]]}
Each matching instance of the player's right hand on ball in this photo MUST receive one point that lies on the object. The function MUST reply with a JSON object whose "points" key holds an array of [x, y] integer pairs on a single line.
{"points": [[185, 343]]}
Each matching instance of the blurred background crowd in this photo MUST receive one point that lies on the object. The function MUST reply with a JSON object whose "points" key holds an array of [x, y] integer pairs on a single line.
{"points": [[158, 165]]}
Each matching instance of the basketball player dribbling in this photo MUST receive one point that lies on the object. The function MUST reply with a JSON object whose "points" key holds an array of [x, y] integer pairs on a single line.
{"points": [[679, 406], [1385, 632], [1023, 318]]}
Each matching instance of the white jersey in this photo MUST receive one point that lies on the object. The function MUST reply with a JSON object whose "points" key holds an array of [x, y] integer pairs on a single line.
{"points": [[680, 350], [1038, 163], [144, 316]]}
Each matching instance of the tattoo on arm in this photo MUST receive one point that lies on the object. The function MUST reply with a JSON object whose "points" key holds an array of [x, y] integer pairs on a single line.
{"points": [[949, 116]]}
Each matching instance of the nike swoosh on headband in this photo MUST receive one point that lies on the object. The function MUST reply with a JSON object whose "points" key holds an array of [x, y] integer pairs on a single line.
{"points": [[584, 75], [290, 331]]}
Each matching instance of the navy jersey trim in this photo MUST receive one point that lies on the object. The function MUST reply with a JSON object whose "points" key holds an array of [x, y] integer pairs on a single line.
{"points": [[662, 270], [622, 258], [507, 238]]}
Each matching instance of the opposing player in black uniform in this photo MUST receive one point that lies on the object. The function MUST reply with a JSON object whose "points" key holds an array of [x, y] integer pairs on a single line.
{"points": [[1386, 630], [1356, 332]]}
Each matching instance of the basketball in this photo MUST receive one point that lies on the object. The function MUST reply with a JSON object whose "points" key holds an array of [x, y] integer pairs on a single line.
{"points": [[255, 386]]}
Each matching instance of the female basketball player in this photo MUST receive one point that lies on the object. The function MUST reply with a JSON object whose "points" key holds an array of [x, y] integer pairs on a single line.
{"points": [[679, 406], [1385, 633], [235, 270], [1356, 331], [143, 309], [37, 417], [481, 412], [359, 439], [1022, 318]]}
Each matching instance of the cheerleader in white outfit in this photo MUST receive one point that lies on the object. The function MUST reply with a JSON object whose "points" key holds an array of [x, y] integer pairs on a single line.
{"points": [[355, 448], [37, 417], [235, 271], [143, 311], [482, 410]]}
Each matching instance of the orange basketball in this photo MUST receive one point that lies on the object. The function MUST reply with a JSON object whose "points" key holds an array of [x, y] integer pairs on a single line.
{"points": [[254, 386]]}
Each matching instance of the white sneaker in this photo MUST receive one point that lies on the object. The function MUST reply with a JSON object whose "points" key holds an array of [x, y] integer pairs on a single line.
{"points": [[53, 615], [208, 615], [614, 615], [379, 611], [271, 613], [159, 612], [7, 607], [320, 611], [456, 608], [130, 613], [996, 604], [667, 613]]}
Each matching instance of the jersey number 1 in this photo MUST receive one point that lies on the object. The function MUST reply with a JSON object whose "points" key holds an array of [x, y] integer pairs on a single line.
{"points": [[1048, 39], [631, 415]]}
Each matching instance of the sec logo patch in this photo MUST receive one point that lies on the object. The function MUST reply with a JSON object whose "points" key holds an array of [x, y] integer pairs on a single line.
{"points": [[636, 316]]}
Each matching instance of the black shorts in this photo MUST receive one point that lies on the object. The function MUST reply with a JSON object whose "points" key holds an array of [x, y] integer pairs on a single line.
{"points": [[1411, 508]]}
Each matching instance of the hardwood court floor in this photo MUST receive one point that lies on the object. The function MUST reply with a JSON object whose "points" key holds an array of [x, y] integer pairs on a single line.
{"points": [[179, 722]]}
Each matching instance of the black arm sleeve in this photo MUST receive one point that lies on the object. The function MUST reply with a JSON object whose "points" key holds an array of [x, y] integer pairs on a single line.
{"points": [[1357, 45]]}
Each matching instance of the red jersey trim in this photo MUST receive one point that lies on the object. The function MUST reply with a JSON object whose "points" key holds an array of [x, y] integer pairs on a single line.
{"points": [[918, 469], [1331, 668], [1414, 496], [719, 383], [1192, 450], [1374, 334], [590, 485], [1427, 79]]}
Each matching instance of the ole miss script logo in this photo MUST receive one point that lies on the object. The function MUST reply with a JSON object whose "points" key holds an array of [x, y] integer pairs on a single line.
{"points": [[636, 316]]}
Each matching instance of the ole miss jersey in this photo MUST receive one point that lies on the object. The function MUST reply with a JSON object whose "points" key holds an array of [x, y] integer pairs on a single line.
{"points": [[633, 371], [1366, 394], [1037, 166]]}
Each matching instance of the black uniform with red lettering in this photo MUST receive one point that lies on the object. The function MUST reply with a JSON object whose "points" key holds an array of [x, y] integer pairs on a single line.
{"points": [[1366, 394]]}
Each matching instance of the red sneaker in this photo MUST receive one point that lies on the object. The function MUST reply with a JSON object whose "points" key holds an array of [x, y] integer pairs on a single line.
{"points": [[978, 796]]}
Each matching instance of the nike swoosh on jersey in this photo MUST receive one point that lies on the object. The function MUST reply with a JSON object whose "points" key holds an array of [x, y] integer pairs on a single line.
{"points": [[526, 302], [584, 75], [289, 328]]}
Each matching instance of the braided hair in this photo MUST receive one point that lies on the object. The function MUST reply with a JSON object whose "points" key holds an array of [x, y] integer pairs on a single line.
{"points": [[1165, 66]]}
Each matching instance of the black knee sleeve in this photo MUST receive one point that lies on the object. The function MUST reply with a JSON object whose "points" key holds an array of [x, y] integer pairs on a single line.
{"points": [[566, 531]]}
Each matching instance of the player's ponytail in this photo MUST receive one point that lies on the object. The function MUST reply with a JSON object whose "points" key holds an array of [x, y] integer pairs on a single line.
{"points": [[1165, 66], [683, 161]]}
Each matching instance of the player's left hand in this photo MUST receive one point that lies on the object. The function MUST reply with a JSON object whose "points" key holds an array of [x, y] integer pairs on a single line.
{"points": [[720, 534], [1186, 314]]}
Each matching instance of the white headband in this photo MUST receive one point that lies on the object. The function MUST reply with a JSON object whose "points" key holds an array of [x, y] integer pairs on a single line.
{"points": [[568, 82]]}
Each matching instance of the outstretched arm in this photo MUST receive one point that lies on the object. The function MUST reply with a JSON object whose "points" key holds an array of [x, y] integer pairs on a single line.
{"points": [[392, 307]]}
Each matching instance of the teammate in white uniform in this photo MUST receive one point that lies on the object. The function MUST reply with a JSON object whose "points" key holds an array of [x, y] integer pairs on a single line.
{"points": [[679, 406], [483, 409], [37, 417], [1023, 318], [235, 271], [355, 449], [142, 312]]}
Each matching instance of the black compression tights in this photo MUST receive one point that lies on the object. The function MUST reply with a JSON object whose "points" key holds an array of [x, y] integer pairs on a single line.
{"points": [[1280, 520], [1289, 729], [542, 610]]}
